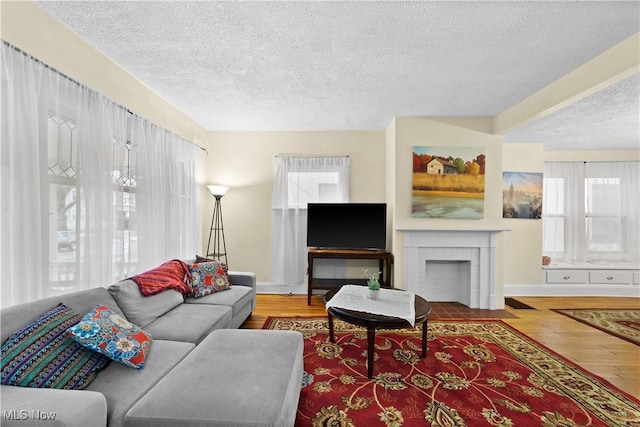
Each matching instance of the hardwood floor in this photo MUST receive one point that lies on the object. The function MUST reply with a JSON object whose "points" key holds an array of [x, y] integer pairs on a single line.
{"points": [[609, 357]]}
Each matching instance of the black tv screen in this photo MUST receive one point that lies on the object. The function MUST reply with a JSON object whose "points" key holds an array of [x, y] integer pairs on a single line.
{"points": [[347, 225]]}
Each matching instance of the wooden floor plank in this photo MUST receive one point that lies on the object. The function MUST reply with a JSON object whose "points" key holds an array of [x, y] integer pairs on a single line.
{"points": [[609, 357]]}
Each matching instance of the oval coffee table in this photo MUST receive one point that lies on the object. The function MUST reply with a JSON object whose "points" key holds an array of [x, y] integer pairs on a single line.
{"points": [[377, 321]]}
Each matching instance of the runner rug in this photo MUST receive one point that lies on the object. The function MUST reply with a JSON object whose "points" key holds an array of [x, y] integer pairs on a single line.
{"points": [[477, 373], [622, 323]]}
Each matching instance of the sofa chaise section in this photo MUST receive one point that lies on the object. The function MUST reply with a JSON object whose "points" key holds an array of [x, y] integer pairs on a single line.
{"points": [[213, 394], [123, 386]]}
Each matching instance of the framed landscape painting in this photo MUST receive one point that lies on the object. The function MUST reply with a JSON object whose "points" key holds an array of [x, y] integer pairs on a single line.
{"points": [[448, 182], [522, 195]]}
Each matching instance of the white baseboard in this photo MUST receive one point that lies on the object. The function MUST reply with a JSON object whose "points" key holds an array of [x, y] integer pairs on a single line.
{"points": [[571, 290]]}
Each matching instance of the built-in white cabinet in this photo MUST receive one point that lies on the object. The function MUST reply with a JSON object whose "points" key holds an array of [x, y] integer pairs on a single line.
{"points": [[593, 276]]}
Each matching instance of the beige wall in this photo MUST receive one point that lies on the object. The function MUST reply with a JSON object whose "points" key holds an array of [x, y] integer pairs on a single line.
{"points": [[522, 245], [244, 161], [453, 132]]}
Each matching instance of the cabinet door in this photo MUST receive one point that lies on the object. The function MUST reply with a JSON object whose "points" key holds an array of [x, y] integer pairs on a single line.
{"points": [[610, 276], [567, 276]]}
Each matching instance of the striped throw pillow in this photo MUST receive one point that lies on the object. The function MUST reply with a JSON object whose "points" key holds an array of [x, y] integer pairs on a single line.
{"points": [[42, 355]]}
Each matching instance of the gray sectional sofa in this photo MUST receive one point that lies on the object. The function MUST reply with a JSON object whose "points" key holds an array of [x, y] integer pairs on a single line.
{"points": [[200, 371]]}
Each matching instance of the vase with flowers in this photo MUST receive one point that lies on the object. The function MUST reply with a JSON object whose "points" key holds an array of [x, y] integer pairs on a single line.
{"points": [[372, 283]]}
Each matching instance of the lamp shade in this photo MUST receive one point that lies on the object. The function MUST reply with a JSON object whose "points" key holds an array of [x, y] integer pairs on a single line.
{"points": [[217, 190]]}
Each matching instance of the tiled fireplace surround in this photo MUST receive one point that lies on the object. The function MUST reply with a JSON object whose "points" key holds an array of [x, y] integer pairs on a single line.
{"points": [[453, 265]]}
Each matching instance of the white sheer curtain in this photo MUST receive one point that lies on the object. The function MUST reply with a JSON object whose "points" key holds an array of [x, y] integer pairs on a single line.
{"points": [[297, 182], [168, 203], [591, 211], [70, 215], [563, 210]]}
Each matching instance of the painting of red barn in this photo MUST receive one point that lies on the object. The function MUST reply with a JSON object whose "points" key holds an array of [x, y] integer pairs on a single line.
{"points": [[448, 182]]}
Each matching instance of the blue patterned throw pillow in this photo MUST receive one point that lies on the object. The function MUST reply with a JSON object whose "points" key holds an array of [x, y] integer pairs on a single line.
{"points": [[107, 332], [208, 277], [42, 355]]}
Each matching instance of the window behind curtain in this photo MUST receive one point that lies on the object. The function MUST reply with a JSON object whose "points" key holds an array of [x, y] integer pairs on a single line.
{"points": [[604, 219], [591, 211], [68, 222], [64, 211], [79, 209], [311, 187], [297, 182]]}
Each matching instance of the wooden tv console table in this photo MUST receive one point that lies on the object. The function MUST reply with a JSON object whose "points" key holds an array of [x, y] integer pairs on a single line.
{"points": [[385, 267]]}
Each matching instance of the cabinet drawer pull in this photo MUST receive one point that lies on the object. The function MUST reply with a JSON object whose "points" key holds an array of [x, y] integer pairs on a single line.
{"points": [[566, 277], [609, 277]]}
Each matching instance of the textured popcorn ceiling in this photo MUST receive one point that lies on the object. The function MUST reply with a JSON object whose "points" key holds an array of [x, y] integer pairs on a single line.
{"points": [[611, 115], [280, 65]]}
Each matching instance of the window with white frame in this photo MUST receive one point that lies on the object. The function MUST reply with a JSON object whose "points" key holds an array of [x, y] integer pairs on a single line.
{"points": [[603, 215], [591, 211], [311, 187]]}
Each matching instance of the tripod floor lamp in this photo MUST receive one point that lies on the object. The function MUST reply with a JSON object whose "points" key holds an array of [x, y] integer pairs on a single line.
{"points": [[219, 247]]}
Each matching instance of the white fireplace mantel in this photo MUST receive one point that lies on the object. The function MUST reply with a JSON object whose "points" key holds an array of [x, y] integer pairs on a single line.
{"points": [[473, 251]]}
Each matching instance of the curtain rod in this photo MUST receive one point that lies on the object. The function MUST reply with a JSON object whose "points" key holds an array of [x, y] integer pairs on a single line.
{"points": [[33, 58]]}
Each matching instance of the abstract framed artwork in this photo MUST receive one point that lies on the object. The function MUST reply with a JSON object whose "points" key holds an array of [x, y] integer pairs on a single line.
{"points": [[448, 182]]}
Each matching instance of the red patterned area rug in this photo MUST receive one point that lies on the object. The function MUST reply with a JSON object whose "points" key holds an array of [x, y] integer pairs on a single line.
{"points": [[477, 373], [622, 323]]}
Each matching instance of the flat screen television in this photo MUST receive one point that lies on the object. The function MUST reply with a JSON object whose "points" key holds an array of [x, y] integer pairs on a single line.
{"points": [[347, 225]]}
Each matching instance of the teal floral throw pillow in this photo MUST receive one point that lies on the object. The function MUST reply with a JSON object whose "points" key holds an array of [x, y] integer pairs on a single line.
{"points": [[104, 331]]}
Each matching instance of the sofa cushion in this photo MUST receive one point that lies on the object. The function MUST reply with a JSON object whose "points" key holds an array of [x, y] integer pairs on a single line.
{"points": [[190, 322], [108, 333], [41, 354], [15, 317], [142, 310], [235, 297], [256, 382], [173, 274], [123, 386], [72, 408], [207, 278]]}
